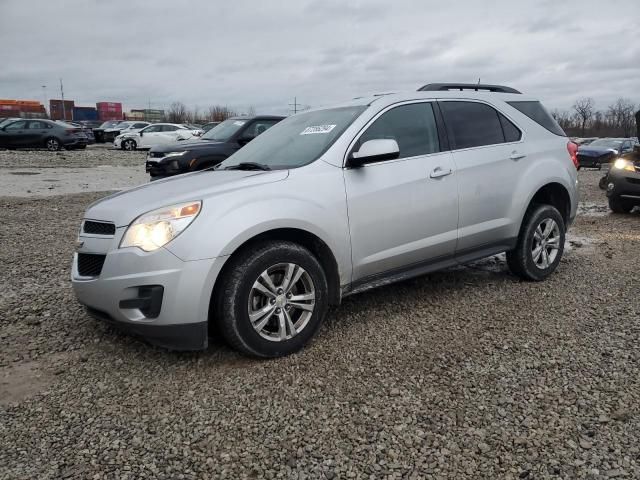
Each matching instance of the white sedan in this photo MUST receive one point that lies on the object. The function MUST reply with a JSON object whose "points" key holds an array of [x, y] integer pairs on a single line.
{"points": [[156, 134]]}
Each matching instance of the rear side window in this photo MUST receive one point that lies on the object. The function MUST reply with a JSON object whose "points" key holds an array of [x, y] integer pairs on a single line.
{"points": [[511, 132], [412, 126], [471, 124], [536, 112]]}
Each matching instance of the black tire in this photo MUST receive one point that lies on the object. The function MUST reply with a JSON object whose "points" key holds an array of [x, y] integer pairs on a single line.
{"points": [[129, 145], [82, 147], [619, 205], [603, 182], [520, 260], [52, 144], [234, 296]]}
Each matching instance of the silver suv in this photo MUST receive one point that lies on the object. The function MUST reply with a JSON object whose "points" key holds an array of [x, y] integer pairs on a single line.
{"points": [[325, 204]]}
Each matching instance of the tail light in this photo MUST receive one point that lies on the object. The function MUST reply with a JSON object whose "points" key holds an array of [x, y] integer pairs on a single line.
{"points": [[572, 148], [71, 131]]}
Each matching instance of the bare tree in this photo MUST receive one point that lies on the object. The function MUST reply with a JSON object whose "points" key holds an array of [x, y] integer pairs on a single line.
{"points": [[584, 108], [563, 118], [620, 114], [251, 111], [177, 113], [219, 113]]}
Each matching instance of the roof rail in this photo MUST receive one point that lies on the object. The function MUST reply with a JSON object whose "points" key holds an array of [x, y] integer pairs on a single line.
{"points": [[440, 87]]}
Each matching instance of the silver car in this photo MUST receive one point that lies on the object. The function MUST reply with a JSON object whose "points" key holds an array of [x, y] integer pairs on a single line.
{"points": [[325, 204]]}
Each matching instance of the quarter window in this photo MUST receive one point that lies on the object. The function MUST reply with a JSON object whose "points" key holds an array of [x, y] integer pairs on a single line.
{"points": [[412, 126], [472, 124], [511, 132]]}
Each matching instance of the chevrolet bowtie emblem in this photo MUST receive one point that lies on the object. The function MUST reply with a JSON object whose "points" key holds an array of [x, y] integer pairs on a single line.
{"points": [[79, 244]]}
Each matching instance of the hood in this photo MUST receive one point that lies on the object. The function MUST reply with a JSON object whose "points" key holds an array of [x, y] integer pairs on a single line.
{"points": [[190, 144], [596, 151], [124, 207]]}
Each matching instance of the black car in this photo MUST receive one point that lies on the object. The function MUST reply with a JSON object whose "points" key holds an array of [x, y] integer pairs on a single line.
{"points": [[602, 151], [41, 133], [209, 150], [88, 132], [99, 132], [623, 182]]}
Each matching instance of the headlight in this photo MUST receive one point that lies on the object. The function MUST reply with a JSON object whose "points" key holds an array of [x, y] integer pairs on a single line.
{"points": [[174, 154], [154, 229], [622, 164]]}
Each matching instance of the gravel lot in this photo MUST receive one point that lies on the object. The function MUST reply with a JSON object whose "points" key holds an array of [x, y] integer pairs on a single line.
{"points": [[467, 373]]}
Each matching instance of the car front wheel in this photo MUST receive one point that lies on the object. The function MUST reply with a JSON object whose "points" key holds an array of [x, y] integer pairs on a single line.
{"points": [[273, 299], [540, 244], [129, 145]]}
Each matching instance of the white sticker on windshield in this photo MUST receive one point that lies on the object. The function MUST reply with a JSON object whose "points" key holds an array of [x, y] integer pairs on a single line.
{"points": [[318, 129], [239, 123]]}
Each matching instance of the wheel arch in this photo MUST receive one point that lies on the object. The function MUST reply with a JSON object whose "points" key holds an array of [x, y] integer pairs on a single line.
{"points": [[554, 194], [312, 242]]}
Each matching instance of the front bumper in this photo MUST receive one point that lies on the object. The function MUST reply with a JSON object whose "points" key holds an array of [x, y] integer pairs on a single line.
{"points": [[116, 293], [625, 184]]}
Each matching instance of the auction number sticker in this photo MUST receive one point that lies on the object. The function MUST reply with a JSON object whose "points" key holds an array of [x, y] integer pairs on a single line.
{"points": [[317, 129], [239, 123]]}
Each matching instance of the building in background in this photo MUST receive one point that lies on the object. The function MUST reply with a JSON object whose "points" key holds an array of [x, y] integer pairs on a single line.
{"points": [[57, 112]]}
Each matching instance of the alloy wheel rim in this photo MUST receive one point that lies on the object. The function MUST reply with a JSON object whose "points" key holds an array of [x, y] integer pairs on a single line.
{"points": [[546, 243], [281, 302], [52, 144], [128, 145]]}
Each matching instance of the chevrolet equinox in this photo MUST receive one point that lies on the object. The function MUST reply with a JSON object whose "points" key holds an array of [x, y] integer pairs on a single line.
{"points": [[328, 203]]}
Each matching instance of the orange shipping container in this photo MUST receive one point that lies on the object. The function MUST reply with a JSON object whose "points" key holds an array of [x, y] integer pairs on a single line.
{"points": [[28, 102], [8, 102]]}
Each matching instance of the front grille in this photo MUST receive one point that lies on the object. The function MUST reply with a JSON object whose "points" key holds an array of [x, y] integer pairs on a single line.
{"points": [[157, 154], [635, 181], [98, 228], [156, 168], [90, 264]]}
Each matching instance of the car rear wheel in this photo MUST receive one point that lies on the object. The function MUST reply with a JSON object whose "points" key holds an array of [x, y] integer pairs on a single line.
{"points": [[620, 205], [540, 244], [273, 299], [52, 144], [129, 145]]}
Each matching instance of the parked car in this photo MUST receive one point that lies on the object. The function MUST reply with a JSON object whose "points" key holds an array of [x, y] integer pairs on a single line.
{"points": [[41, 133], [328, 203], [88, 132], [209, 150], [156, 134], [584, 141], [123, 128], [99, 132], [602, 151], [208, 126], [623, 183], [5, 121]]}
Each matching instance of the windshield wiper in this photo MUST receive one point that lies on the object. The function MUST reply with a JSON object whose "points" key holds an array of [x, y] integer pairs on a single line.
{"points": [[248, 166]]}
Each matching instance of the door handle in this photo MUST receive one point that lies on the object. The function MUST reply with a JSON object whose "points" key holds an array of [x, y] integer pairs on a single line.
{"points": [[440, 172], [516, 156]]}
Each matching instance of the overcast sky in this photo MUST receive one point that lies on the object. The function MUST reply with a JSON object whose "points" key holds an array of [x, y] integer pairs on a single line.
{"points": [[263, 53]]}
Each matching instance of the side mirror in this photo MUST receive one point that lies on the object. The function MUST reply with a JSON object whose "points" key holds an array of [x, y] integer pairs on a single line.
{"points": [[374, 151], [141, 134]]}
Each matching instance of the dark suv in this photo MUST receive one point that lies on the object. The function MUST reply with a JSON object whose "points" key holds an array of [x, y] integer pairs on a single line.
{"points": [[209, 150], [41, 133]]}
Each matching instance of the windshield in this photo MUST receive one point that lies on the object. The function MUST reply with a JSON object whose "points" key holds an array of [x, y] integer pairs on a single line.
{"points": [[297, 140], [224, 131], [606, 142]]}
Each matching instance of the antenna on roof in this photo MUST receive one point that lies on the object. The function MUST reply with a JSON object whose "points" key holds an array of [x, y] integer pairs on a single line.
{"points": [[478, 80]]}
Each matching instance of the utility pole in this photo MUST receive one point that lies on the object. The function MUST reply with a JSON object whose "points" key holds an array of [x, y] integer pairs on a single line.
{"points": [[64, 114], [297, 107], [44, 94]]}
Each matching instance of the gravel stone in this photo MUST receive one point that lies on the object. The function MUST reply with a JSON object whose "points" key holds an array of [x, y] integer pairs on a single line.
{"points": [[467, 373]]}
